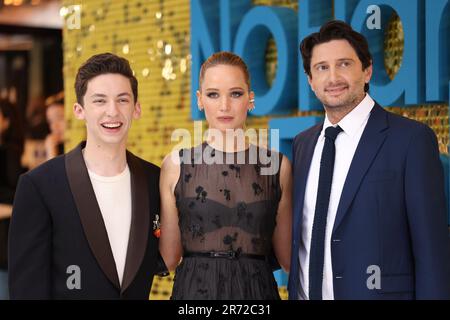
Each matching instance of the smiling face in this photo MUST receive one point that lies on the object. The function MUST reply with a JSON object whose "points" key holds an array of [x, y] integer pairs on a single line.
{"points": [[337, 76], [108, 109], [224, 95]]}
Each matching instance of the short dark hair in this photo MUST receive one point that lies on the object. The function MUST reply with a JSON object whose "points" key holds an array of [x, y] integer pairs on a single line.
{"points": [[336, 30], [102, 64]]}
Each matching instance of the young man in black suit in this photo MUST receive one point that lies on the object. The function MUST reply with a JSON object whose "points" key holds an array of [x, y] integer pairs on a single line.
{"points": [[81, 225]]}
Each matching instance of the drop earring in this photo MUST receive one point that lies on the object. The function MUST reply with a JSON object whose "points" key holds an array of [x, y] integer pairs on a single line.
{"points": [[252, 108]]}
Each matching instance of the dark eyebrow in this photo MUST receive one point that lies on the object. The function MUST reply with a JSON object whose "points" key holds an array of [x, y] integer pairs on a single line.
{"points": [[98, 95], [124, 94], [321, 62], [346, 59], [339, 60], [214, 89]]}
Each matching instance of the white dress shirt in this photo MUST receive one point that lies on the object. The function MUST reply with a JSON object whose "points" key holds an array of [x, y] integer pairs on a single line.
{"points": [[353, 125], [114, 199]]}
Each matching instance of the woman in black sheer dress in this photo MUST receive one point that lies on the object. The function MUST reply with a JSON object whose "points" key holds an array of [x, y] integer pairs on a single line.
{"points": [[226, 203]]}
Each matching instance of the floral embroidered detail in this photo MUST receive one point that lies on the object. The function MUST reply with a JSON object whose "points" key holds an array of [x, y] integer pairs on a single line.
{"points": [[237, 169], [226, 193], [228, 240], [197, 231], [257, 189], [201, 193]]}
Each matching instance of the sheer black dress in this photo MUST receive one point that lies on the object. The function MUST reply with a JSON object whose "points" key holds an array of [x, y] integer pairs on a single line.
{"points": [[227, 215]]}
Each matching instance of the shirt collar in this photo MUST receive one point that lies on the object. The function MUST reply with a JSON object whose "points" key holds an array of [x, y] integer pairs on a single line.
{"points": [[355, 119]]}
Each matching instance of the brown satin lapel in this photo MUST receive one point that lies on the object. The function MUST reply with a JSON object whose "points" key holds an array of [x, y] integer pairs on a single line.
{"points": [[140, 220], [90, 214]]}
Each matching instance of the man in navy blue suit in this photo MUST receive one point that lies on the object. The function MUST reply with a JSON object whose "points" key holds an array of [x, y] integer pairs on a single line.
{"points": [[369, 204]]}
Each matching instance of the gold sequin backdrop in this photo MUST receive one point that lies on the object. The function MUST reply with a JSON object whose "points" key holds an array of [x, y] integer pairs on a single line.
{"points": [[154, 37]]}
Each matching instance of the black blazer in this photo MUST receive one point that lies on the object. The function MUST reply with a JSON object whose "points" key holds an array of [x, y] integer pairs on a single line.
{"points": [[57, 224]]}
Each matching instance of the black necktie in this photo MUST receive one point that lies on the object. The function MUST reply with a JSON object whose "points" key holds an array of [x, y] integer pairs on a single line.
{"points": [[320, 215]]}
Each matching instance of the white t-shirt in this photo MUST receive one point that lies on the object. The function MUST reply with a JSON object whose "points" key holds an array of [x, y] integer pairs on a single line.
{"points": [[114, 199]]}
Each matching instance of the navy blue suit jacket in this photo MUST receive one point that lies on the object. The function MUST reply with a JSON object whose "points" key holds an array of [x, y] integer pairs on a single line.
{"points": [[391, 214]]}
